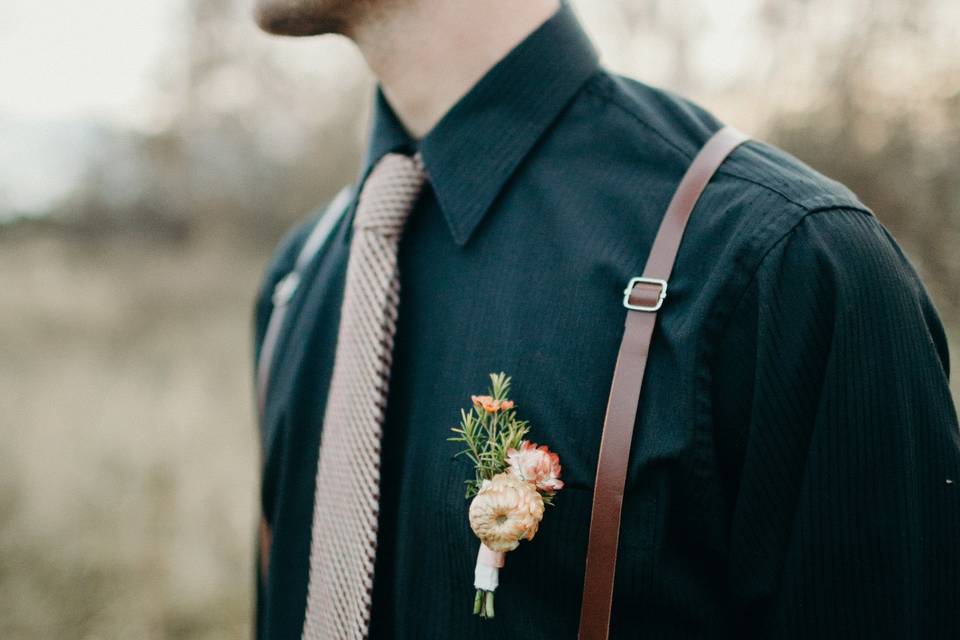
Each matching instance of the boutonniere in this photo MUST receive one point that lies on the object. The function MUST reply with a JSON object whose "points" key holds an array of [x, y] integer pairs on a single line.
{"points": [[514, 480]]}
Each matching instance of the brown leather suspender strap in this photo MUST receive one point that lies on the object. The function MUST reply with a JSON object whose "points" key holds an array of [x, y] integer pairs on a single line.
{"points": [[642, 297]]}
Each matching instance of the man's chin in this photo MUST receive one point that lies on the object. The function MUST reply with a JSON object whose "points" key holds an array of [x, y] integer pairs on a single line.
{"points": [[281, 19]]}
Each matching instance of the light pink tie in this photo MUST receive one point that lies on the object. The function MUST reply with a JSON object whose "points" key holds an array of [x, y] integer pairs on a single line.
{"points": [[346, 500]]}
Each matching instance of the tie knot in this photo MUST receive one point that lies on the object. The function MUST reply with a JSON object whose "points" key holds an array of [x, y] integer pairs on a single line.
{"points": [[389, 193]]}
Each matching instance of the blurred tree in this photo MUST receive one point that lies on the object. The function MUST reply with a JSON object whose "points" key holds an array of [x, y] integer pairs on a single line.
{"points": [[265, 144], [252, 143], [886, 120]]}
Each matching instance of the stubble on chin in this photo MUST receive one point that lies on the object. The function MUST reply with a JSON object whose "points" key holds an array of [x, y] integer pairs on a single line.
{"points": [[302, 17]]}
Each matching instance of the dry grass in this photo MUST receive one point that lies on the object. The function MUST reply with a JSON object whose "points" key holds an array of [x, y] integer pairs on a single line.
{"points": [[127, 475]]}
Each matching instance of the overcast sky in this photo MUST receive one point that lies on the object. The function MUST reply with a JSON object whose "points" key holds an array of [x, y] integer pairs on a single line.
{"points": [[61, 58], [64, 63]]}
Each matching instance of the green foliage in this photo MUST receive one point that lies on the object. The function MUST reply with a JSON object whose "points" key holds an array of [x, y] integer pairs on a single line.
{"points": [[488, 433]]}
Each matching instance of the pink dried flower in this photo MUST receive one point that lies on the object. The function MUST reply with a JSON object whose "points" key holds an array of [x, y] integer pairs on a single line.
{"points": [[536, 465], [487, 403]]}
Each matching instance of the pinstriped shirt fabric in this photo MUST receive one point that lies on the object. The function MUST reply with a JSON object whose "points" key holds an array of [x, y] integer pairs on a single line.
{"points": [[347, 494]]}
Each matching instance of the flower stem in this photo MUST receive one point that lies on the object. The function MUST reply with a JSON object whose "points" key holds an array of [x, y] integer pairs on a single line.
{"points": [[477, 602], [489, 604]]}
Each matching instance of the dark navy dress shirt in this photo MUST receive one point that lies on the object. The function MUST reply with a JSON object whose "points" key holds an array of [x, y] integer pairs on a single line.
{"points": [[795, 469]]}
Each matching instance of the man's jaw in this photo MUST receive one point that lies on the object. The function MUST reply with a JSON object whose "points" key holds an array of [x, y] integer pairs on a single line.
{"points": [[301, 18]]}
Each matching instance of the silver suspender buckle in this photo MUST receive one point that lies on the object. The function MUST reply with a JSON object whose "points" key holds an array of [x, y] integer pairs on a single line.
{"points": [[657, 282]]}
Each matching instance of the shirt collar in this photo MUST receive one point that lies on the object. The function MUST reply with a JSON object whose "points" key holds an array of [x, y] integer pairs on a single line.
{"points": [[481, 140]]}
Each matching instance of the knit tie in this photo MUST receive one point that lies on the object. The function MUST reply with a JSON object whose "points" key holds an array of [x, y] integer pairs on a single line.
{"points": [[346, 498]]}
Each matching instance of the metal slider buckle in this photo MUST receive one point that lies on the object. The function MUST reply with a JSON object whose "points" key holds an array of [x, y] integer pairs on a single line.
{"points": [[284, 290], [642, 280]]}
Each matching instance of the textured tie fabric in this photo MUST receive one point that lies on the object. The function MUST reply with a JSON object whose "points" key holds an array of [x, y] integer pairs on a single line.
{"points": [[346, 499]]}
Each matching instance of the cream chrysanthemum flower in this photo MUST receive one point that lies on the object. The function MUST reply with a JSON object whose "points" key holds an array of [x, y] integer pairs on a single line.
{"points": [[505, 511]]}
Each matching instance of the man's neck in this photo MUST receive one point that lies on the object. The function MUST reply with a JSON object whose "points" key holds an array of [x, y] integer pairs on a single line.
{"points": [[427, 54]]}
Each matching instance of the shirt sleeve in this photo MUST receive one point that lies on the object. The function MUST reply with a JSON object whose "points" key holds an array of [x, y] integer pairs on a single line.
{"points": [[845, 510]]}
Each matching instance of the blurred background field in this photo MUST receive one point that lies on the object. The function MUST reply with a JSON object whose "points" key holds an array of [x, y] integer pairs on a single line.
{"points": [[153, 153]]}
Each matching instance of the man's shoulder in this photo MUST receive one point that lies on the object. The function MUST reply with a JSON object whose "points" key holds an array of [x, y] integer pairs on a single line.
{"points": [[672, 129], [284, 256], [281, 262], [307, 236], [760, 197], [288, 252]]}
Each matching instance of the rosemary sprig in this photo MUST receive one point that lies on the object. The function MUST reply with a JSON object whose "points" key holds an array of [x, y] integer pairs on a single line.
{"points": [[488, 430]]}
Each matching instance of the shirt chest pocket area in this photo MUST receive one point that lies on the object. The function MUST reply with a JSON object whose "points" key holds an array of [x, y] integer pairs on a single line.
{"points": [[662, 440]]}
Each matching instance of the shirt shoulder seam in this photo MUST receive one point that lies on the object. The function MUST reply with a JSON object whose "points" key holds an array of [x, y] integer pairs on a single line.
{"points": [[593, 89], [766, 250], [809, 205]]}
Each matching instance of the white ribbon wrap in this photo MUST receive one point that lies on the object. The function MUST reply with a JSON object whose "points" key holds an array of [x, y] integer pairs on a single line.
{"points": [[487, 572]]}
